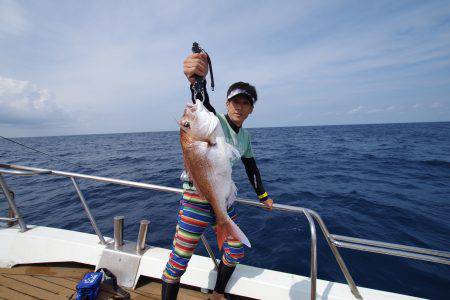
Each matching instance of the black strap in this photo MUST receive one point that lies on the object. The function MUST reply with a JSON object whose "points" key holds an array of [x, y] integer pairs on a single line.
{"points": [[110, 279], [211, 75], [199, 85]]}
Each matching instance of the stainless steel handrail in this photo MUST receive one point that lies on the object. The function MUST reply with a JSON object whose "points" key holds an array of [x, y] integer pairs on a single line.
{"points": [[88, 211], [210, 251], [313, 272], [342, 238], [23, 173], [8, 219], [72, 176], [398, 253], [12, 205], [333, 241], [337, 255], [96, 178], [334, 250]]}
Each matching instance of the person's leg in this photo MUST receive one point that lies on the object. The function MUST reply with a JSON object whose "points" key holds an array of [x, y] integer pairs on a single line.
{"points": [[233, 254], [193, 218], [169, 291]]}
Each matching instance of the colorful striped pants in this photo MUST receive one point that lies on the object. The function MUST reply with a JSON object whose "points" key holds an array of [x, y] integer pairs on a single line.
{"points": [[194, 216]]}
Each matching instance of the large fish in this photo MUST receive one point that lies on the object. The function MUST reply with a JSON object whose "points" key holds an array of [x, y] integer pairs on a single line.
{"points": [[207, 159]]}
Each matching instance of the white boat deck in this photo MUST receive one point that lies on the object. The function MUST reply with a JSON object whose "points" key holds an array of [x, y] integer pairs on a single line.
{"points": [[48, 245]]}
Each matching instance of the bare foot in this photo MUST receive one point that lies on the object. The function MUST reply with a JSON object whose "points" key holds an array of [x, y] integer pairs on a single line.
{"points": [[217, 296]]}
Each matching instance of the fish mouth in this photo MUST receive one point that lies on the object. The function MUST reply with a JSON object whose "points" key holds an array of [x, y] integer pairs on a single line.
{"points": [[184, 124]]}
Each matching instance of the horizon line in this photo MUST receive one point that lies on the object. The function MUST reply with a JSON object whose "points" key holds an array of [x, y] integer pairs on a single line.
{"points": [[156, 131]]}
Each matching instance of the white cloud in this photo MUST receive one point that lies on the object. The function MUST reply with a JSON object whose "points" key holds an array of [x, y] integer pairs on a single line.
{"points": [[13, 19], [360, 109], [331, 113], [436, 104], [375, 110], [24, 103], [355, 110]]}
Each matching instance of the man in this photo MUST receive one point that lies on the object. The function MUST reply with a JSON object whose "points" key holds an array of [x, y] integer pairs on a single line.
{"points": [[195, 212]]}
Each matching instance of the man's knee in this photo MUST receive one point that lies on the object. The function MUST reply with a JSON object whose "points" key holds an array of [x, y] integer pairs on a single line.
{"points": [[175, 268], [172, 273], [233, 253]]}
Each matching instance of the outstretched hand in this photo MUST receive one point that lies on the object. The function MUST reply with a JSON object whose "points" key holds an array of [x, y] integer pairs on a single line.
{"points": [[195, 64], [268, 204]]}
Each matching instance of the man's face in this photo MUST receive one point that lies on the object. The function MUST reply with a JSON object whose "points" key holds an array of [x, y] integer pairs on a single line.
{"points": [[238, 109]]}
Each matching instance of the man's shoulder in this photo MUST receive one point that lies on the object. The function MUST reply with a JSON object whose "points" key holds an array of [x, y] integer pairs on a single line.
{"points": [[222, 119], [221, 116]]}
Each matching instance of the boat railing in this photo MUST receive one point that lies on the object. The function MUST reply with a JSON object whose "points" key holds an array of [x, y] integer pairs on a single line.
{"points": [[334, 241]]}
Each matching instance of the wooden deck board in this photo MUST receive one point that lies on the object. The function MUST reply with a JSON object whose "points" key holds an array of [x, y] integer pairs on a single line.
{"points": [[26, 288], [43, 284], [63, 282], [66, 270], [8, 293], [58, 281]]}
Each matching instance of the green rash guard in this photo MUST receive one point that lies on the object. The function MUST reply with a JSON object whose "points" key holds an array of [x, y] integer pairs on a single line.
{"points": [[239, 140]]}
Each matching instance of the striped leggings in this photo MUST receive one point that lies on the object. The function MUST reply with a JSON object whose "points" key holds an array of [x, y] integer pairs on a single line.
{"points": [[194, 216]]}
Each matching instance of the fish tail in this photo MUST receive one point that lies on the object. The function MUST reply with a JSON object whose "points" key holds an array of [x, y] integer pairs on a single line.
{"points": [[230, 228]]}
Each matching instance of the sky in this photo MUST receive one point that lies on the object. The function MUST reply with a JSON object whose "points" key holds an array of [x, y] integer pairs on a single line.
{"points": [[85, 67]]}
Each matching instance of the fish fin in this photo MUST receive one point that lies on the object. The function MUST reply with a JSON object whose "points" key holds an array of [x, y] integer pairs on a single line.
{"points": [[185, 175], [230, 229], [210, 140], [232, 197]]}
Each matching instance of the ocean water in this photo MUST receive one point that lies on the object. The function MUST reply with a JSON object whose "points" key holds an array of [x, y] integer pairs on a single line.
{"points": [[387, 182]]}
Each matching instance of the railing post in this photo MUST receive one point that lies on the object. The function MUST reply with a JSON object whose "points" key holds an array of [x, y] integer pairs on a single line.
{"points": [[142, 236], [118, 231], [11, 215], [313, 273], [337, 255], [12, 204], [210, 252], [88, 212]]}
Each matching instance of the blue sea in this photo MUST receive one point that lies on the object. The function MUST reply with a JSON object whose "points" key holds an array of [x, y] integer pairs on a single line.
{"points": [[388, 182]]}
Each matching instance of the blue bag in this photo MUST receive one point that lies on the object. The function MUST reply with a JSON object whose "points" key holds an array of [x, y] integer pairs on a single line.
{"points": [[89, 286]]}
